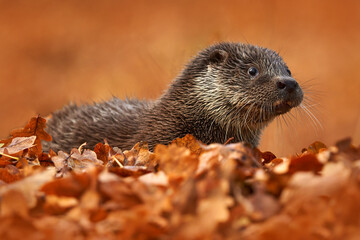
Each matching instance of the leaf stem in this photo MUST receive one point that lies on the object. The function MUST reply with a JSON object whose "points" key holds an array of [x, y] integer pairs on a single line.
{"points": [[16, 158]]}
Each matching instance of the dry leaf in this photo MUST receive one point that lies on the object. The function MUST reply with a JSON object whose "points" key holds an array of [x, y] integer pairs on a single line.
{"points": [[35, 127], [10, 174], [190, 142], [18, 144]]}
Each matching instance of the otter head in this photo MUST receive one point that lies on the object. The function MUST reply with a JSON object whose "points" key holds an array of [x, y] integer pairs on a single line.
{"points": [[246, 84]]}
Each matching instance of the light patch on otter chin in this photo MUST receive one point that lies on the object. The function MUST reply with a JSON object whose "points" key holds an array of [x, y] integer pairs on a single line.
{"points": [[277, 103]]}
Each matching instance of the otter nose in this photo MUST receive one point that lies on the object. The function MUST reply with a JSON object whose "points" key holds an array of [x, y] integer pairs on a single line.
{"points": [[289, 85]]}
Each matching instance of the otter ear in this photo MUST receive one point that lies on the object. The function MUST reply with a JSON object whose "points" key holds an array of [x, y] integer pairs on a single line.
{"points": [[218, 56]]}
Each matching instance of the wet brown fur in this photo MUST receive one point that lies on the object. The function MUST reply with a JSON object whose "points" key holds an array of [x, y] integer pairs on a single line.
{"points": [[214, 99]]}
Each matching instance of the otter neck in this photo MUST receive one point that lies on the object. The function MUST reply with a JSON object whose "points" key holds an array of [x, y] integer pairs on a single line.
{"points": [[205, 117]]}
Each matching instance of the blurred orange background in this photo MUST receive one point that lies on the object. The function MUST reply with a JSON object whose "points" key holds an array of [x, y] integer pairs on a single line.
{"points": [[56, 52]]}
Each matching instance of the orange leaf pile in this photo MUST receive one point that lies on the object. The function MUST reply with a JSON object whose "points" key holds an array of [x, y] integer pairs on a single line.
{"points": [[185, 190]]}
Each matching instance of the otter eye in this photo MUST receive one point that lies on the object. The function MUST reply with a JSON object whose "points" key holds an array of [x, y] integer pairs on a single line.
{"points": [[253, 72], [288, 71]]}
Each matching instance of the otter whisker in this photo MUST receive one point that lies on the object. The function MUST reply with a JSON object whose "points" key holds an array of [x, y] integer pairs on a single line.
{"points": [[311, 113], [314, 105], [279, 124], [292, 117], [316, 123], [292, 121], [283, 118]]}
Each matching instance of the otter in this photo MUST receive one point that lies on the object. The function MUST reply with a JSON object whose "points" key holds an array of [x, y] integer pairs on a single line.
{"points": [[228, 90]]}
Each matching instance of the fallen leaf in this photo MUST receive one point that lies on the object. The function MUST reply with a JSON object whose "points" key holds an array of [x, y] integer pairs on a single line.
{"points": [[83, 160], [306, 162], [10, 174], [102, 152], [316, 147], [176, 161], [35, 127], [13, 202], [140, 155], [30, 186], [159, 179], [72, 186], [18, 144], [129, 171], [190, 142], [267, 156], [55, 205]]}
